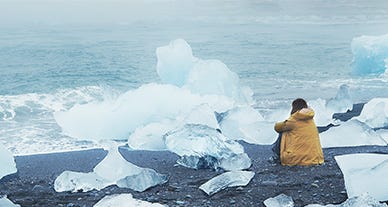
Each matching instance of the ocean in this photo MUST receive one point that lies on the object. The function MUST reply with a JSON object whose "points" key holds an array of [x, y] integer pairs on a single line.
{"points": [[52, 61]]}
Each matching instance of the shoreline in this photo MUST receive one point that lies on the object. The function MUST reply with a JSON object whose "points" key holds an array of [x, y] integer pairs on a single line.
{"points": [[33, 184]]}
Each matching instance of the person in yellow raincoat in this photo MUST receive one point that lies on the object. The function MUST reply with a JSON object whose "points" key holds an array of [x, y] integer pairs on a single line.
{"points": [[299, 141]]}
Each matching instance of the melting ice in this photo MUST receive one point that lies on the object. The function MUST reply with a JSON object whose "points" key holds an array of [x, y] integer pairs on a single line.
{"points": [[5, 202], [124, 200], [7, 162]]}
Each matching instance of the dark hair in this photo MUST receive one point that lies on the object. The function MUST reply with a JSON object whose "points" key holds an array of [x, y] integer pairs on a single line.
{"points": [[298, 104]]}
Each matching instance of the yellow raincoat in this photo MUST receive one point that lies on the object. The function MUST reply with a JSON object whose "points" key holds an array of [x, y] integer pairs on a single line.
{"points": [[300, 143]]}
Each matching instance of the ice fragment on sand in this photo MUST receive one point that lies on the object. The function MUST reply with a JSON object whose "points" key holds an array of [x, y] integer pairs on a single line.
{"points": [[5, 202], [7, 162], [365, 173], [342, 102], [199, 144], [375, 113], [350, 133], [364, 200], [114, 169], [124, 200], [279, 201], [228, 179]]}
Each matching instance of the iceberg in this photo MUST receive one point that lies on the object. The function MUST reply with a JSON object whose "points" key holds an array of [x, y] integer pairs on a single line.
{"points": [[124, 200], [350, 133], [7, 162], [365, 173], [114, 169], [5, 202], [375, 113], [177, 66], [370, 54], [281, 200], [228, 179], [363, 200], [196, 143]]}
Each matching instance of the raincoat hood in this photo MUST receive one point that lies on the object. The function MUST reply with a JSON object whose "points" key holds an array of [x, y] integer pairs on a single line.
{"points": [[304, 114]]}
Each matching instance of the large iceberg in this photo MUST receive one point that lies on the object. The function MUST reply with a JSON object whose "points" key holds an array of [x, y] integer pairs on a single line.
{"points": [[375, 113], [364, 200], [228, 179], [365, 173], [197, 143], [370, 54], [5, 202], [124, 200], [350, 133], [114, 169], [177, 66], [7, 162]]}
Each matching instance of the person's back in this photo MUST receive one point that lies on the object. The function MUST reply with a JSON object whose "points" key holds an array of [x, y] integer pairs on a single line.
{"points": [[300, 143]]}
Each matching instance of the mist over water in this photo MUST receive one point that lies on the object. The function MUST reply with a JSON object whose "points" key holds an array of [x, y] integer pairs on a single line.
{"points": [[55, 54]]}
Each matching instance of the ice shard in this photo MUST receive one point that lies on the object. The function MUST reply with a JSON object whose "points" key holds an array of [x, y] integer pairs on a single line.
{"points": [[114, 169], [342, 102], [228, 179], [7, 162], [5, 202], [363, 200], [279, 201], [375, 113], [198, 144], [365, 173], [124, 200]]}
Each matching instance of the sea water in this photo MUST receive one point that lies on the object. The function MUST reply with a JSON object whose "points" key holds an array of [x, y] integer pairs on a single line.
{"points": [[55, 55]]}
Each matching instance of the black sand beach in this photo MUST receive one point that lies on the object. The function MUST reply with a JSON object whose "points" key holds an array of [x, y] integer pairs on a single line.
{"points": [[33, 184]]}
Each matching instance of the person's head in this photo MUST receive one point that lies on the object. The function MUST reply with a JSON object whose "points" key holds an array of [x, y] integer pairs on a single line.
{"points": [[298, 104]]}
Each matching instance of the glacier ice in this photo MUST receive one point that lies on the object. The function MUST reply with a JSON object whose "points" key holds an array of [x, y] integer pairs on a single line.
{"points": [[227, 179], [375, 113], [177, 66], [118, 118], [281, 200], [365, 173], [124, 200], [364, 200], [350, 133], [242, 123], [342, 102], [5, 202], [370, 54], [7, 162], [196, 143], [114, 169]]}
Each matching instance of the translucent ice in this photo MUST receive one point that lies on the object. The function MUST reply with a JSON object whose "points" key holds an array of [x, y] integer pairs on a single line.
{"points": [[5, 202], [75, 181], [114, 169], [228, 179], [119, 117], [342, 102], [370, 54], [195, 141], [365, 173], [177, 65], [124, 200], [279, 201], [7, 162], [350, 133], [375, 113], [242, 123], [175, 61], [364, 200]]}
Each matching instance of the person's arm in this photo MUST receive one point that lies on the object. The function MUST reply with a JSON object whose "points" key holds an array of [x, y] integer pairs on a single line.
{"points": [[284, 126]]}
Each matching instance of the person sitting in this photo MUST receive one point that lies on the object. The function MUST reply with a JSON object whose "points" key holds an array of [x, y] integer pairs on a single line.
{"points": [[298, 142]]}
